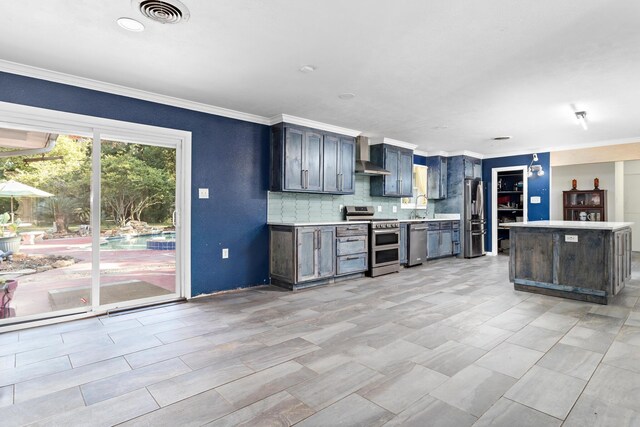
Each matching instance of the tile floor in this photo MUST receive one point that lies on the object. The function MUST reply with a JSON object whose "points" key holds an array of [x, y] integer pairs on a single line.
{"points": [[448, 344]]}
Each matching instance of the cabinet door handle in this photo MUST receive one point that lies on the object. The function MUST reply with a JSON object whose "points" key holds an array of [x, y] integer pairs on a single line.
{"points": [[341, 182], [319, 239], [353, 240], [351, 258], [306, 178]]}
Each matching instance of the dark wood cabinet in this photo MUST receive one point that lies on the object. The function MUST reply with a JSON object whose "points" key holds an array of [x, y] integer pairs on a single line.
{"points": [[399, 162], [437, 177], [579, 205], [339, 165], [472, 167], [309, 160], [443, 239]]}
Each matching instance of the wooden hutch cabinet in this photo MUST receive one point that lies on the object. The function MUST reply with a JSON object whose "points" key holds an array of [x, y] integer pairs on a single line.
{"points": [[591, 203]]}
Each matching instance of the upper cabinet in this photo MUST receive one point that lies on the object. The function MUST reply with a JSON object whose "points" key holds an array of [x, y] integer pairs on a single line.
{"points": [[339, 164], [309, 160], [472, 167], [399, 162], [437, 177]]}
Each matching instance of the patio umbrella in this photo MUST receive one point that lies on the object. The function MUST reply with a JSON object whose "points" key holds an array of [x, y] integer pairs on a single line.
{"points": [[17, 189]]}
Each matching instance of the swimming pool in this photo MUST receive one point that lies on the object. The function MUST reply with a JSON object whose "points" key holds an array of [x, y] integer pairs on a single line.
{"points": [[138, 243]]}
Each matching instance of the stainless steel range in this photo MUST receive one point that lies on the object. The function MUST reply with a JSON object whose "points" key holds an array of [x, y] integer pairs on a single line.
{"points": [[384, 240]]}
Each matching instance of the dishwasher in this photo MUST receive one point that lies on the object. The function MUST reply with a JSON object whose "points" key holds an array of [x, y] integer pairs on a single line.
{"points": [[416, 243]]}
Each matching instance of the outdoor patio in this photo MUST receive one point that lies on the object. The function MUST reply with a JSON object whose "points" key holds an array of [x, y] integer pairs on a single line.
{"points": [[125, 275]]}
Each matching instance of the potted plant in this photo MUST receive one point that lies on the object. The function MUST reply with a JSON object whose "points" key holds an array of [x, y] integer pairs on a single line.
{"points": [[10, 239]]}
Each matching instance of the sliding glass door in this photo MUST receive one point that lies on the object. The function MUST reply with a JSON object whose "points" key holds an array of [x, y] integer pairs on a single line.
{"points": [[138, 230], [89, 221]]}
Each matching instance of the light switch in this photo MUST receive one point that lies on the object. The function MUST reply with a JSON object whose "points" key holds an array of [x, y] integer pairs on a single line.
{"points": [[203, 193], [395, 209], [225, 253], [535, 199], [379, 208], [571, 238]]}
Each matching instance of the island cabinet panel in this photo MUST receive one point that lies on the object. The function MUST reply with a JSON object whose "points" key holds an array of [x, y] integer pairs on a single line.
{"points": [[588, 263], [532, 260], [582, 262]]}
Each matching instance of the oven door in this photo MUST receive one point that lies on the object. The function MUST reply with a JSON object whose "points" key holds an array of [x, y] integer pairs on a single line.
{"points": [[384, 237], [385, 256]]}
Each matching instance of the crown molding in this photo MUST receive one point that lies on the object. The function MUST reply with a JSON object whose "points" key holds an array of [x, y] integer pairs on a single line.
{"points": [[286, 118], [466, 153], [69, 79], [389, 141], [420, 153]]}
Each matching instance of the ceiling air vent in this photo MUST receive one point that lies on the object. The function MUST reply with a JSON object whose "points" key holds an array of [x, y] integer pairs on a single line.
{"points": [[164, 12]]}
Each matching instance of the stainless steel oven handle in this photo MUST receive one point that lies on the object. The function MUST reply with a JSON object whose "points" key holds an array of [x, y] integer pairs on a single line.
{"points": [[387, 231]]}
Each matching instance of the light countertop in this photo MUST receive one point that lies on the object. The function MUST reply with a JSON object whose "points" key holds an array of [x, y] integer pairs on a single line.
{"points": [[316, 223], [579, 225], [429, 219]]}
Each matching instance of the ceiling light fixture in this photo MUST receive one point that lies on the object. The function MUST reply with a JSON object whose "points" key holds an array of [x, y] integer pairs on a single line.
{"points": [[130, 24], [307, 69], [582, 119], [535, 168], [346, 96]]}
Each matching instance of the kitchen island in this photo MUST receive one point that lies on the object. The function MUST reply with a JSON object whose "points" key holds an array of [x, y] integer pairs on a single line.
{"points": [[582, 260]]}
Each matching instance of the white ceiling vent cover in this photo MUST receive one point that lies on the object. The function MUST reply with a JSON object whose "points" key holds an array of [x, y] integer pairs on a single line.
{"points": [[164, 12]]}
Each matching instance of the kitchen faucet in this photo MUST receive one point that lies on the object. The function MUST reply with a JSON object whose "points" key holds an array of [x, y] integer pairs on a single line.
{"points": [[414, 214]]}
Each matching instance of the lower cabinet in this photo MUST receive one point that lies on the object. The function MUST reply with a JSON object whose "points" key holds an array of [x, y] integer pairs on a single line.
{"points": [[443, 239], [315, 253], [310, 255], [352, 249]]}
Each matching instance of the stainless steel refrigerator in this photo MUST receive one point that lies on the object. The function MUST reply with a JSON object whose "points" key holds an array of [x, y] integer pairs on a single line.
{"points": [[475, 225]]}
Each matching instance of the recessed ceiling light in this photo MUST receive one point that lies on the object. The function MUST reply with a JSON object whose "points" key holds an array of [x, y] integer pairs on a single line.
{"points": [[347, 95], [501, 138], [307, 69], [130, 24]]}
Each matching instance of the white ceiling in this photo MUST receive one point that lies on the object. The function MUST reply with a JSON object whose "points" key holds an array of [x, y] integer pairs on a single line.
{"points": [[445, 75]]}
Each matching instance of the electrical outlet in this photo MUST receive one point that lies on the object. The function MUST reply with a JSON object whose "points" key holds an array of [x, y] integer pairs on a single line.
{"points": [[340, 209], [225, 253], [571, 238], [203, 193], [395, 209], [535, 199], [379, 208]]}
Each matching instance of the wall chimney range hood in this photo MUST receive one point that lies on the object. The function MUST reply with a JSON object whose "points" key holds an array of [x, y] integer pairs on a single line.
{"points": [[363, 164]]}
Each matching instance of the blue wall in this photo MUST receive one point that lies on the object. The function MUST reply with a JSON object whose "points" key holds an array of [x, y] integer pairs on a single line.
{"points": [[537, 186], [230, 157]]}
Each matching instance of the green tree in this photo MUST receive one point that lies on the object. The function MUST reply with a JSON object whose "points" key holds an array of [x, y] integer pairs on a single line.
{"points": [[130, 186], [68, 179]]}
